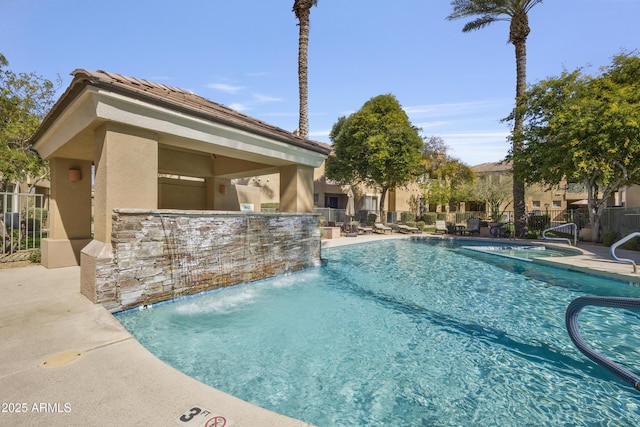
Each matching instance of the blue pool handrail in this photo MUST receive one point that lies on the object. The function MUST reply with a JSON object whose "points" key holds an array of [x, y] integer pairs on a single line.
{"points": [[571, 320], [575, 233], [612, 251]]}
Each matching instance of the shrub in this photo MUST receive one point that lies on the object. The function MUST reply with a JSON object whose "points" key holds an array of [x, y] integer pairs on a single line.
{"points": [[610, 237], [35, 256], [632, 245], [429, 218], [420, 225], [531, 235], [37, 213], [406, 217], [371, 218], [410, 223]]}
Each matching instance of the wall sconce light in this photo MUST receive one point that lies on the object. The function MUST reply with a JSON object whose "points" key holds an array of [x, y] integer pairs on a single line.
{"points": [[222, 189], [74, 175]]}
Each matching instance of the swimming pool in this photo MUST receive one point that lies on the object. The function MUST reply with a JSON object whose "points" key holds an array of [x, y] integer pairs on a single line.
{"points": [[406, 333], [524, 252]]}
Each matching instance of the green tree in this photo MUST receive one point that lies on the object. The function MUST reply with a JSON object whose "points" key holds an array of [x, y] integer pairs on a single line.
{"points": [[495, 190], [376, 146], [25, 98], [585, 129], [516, 12], [302, 9], [446, 179]]}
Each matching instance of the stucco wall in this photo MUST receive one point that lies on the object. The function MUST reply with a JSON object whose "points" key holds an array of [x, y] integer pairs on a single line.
{"points": [[159, 255]]}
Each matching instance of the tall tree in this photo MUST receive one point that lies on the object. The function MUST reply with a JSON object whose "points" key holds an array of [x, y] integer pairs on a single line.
{"points": [[586, 130], [302, 9], [446, 179], [377, 146], [25, 98], [516, 12]]}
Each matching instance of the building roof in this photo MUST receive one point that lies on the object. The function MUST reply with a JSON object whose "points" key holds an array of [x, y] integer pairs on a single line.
{"points": [[175, 99], [492, 167]]}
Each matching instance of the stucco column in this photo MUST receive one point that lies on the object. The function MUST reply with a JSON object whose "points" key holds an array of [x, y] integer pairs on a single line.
{"points": [[69, 212], [296, 189], [126, 176]]}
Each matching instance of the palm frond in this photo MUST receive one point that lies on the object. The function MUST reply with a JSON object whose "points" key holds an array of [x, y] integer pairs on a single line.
{"points": [[500, 10], [479, 23]]}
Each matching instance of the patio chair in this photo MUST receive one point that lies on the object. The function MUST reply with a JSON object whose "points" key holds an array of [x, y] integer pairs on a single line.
{"points": [[403, 228], [441, 225], [473, 226], [381, 228], [365, 229]]}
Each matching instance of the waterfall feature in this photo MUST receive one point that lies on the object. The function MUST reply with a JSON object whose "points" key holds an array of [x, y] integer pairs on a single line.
{"points": [[161, 254]]}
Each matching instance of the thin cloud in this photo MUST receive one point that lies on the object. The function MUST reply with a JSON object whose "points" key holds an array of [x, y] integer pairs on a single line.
{"points": [[474, 140], [223, 87], [265, 98], [455, 108], [324, 133], [475, 147], [238, 107], [434, 124]]}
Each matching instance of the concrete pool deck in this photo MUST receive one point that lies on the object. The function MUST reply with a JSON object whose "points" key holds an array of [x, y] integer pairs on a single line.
{"points": [[67, 362]]}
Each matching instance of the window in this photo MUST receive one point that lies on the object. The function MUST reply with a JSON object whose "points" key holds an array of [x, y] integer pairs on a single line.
{"points": [[331, 202], [536, 204], [557, 204], [371, 203]]}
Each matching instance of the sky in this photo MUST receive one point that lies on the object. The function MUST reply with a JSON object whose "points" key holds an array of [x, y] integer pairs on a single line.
{"points": [[244, 54]]}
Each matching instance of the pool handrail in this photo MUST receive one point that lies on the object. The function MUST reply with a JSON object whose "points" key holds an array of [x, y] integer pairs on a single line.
{"points": [[571, 320], [563, 239], [612, 250]]}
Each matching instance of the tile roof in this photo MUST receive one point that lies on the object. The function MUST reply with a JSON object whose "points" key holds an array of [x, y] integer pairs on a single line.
{"points": [[178, 100], [492, 167]]}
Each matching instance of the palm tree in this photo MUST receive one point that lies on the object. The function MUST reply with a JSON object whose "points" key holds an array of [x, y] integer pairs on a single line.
{"points": [[302, 9], [516, 13]]}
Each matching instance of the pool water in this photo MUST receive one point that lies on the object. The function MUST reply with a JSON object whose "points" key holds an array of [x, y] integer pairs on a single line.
{"points": [[407, 333], [527, 253]]}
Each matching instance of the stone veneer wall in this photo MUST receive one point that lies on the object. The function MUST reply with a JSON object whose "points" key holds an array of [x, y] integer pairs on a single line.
{"points": [[161, 254]]}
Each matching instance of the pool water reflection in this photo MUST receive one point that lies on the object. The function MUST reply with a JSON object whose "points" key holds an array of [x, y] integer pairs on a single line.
{"points": [[405, 333]]}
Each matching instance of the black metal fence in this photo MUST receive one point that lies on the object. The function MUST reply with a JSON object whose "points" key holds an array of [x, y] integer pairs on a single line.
{"points": [[618, 219]]}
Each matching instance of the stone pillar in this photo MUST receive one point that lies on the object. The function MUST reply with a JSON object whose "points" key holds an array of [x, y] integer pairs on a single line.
{"points": [[296, 189], [126, 176], [69, 212]]}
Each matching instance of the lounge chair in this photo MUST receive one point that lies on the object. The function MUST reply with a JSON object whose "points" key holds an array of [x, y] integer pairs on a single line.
{"points": [[441, 226], [473, 226], [381, 228], [349, 230], [363, 229], [408, 230]]}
